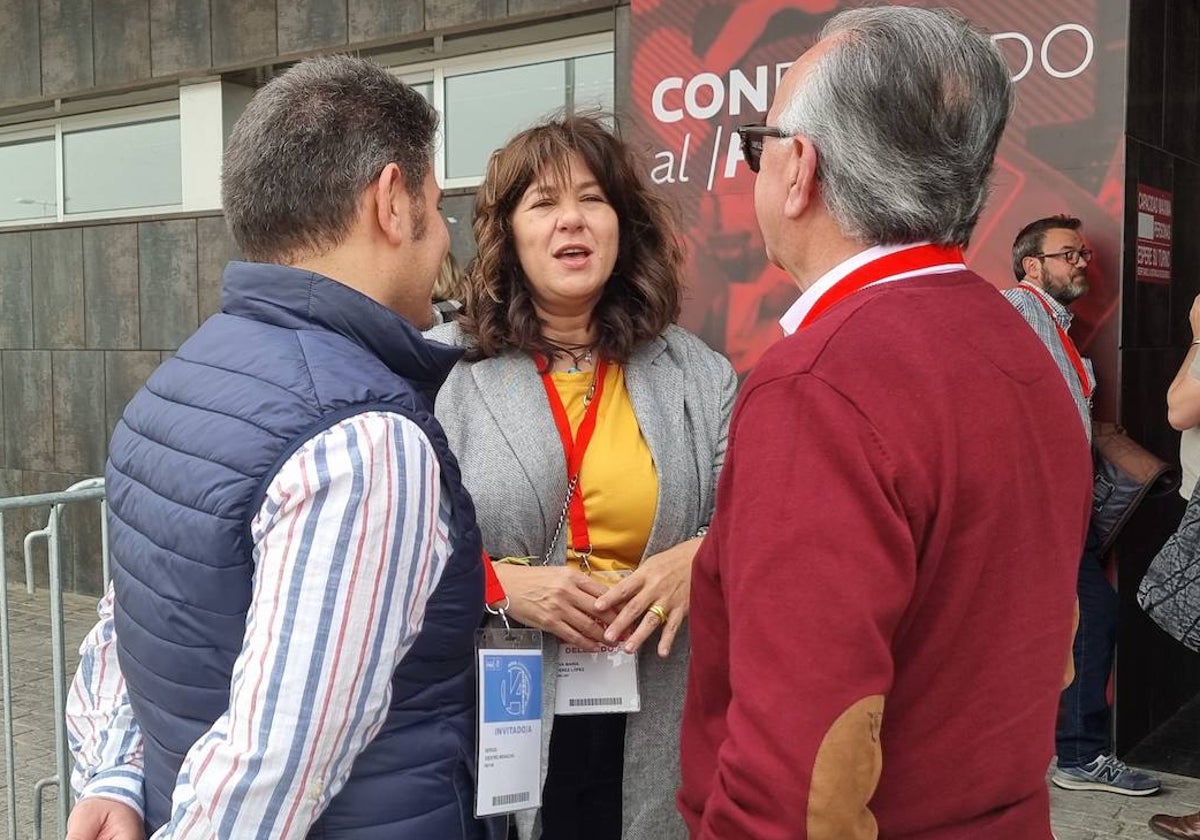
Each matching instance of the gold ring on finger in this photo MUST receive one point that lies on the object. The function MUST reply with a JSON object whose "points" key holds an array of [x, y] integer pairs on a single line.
{"points": [[658, 611]]}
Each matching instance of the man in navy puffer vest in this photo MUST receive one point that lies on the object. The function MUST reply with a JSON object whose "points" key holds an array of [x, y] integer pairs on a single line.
{"points": [[287, 647]]}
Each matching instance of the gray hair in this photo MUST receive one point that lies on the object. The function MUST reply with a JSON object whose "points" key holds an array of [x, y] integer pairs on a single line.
{"points": [[309, 143], [906, 110]]}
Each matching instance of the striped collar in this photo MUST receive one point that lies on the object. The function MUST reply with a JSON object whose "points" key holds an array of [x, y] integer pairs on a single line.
{"points": [[1061, 313]]}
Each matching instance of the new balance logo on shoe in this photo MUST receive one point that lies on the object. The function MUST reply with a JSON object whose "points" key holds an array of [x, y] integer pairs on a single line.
{"points": [[1106, 773]]}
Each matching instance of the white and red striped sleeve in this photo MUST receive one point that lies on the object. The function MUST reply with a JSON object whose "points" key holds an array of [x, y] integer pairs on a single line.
{"points": [[102, 733], [350, 542]]}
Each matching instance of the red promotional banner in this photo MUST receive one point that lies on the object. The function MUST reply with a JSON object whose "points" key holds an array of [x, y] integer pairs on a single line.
{"points": [[703, 67]]}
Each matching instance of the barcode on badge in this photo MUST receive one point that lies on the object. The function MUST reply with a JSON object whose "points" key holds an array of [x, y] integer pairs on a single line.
{"points": [[509, 799], [591, 702]]}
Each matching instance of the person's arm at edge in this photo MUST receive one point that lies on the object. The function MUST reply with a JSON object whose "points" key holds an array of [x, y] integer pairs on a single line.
{"points": [[1183, 396], [104, 740], [368, 489], [729, 391]]}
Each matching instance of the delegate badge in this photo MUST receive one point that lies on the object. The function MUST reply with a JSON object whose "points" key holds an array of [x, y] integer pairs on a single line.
{"points": [[588, 682]]}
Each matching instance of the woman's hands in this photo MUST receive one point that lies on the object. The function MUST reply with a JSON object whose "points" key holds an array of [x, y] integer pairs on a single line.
{"points": [[664, 579], [559, 600], [1183, 397], [581, 611]]}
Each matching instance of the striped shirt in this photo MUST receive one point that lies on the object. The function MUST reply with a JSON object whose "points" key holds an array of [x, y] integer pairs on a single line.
{"points": [[311, 686], [1036, 315]]}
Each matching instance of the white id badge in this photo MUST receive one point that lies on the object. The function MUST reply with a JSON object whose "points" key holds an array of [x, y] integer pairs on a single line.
{"points": [[509, 734], [588, 683]]}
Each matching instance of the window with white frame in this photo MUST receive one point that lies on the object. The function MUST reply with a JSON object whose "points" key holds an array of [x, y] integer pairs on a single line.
{"points": [[140, 167], [485, 99], [425, 89], [27, 180], [110, 163]]}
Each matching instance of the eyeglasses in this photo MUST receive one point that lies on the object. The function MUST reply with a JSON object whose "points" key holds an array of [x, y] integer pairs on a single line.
{"points": [[752, 142], [1071, 255]]}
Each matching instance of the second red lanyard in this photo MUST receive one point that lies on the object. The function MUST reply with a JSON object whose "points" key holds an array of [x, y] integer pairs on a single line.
{"points": [[574, 448], [1068, 345]]}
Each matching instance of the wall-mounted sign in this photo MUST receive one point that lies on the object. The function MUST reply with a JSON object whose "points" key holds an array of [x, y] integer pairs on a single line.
{"points": [[1153, 235]]}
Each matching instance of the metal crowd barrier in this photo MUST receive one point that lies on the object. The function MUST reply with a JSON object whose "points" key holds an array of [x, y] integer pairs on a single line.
{"points": [[89, 490]]}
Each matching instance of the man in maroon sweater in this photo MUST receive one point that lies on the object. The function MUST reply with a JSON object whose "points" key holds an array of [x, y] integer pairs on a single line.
{"points": [[882, 610]]}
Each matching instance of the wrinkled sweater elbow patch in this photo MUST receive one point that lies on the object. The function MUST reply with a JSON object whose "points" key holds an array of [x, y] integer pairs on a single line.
{"points": [[846, 773]]}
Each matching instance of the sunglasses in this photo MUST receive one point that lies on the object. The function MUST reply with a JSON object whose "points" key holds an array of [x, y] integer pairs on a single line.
{"points": [[1071, 255], [753, 139]]}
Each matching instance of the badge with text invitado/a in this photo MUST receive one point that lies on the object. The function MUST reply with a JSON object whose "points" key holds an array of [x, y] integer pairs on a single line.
{"points": [[509, 733]]}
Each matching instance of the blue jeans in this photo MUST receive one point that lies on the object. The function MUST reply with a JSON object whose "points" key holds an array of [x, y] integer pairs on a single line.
{"points": [[1083, 718]]}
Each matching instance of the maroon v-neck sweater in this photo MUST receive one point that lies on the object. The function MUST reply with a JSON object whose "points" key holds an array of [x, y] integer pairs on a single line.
{"points": [[899, 523]]}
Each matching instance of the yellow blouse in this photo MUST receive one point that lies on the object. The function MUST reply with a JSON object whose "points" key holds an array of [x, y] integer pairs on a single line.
{"points": [[619, 483]]}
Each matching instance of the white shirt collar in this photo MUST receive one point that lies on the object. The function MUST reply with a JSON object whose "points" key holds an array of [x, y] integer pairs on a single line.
{"points": [[792, 319]]}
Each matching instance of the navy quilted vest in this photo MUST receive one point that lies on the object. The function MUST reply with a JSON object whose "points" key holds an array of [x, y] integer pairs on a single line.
{"points": [[290, 354]]}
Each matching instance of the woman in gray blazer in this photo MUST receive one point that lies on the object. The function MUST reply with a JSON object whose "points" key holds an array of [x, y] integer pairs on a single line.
{"points": [[569, 313]]}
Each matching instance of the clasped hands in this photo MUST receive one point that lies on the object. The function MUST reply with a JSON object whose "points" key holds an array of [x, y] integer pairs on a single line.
{"points": [[581, 611]]}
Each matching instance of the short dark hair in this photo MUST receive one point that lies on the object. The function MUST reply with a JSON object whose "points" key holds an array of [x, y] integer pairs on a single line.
{"points": [[641, 298], [309, 143], [1032, 237]]}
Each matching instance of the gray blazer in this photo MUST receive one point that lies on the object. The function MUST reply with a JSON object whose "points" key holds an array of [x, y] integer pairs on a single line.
{"points": [[499, 425]]}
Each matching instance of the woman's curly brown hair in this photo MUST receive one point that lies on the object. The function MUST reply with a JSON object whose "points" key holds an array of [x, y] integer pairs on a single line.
{"points": [[642, 296]]}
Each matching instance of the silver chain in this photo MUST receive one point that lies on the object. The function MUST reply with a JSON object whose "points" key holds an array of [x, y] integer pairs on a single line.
{"points": [[561, 520]]}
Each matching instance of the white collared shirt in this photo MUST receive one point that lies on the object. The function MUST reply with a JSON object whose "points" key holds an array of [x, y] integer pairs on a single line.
{"points": [[794, 317]]}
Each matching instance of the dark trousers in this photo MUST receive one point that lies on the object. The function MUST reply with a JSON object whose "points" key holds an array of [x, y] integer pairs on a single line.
{"points": [[1083, 720], [582, 796]]}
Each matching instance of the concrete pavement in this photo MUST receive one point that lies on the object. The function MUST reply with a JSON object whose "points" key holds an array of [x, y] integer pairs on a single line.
{"points": [[33, 699], [1084, 815]]}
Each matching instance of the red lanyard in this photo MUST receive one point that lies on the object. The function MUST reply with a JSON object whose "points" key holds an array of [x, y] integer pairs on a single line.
{"points": [[574, 450], [494, 590], [884, 268], [1067, 344]]}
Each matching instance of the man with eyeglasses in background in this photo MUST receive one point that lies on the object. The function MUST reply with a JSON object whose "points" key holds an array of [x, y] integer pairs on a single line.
{"points": [[1051, 261]]}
